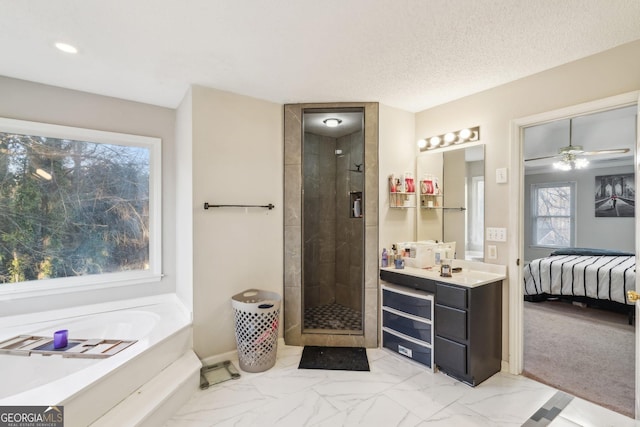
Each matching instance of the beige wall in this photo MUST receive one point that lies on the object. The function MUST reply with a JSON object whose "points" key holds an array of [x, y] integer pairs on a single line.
{"points": [[237, 159], [609, 73], [397, 154], [29, 101]]}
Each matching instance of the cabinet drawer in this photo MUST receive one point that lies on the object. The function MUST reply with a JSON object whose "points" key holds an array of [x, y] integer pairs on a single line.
{"points": [[408, 304], [451, 295], [410, 349], [451, 322], [409, 281], [407, 326], [450, 355]]}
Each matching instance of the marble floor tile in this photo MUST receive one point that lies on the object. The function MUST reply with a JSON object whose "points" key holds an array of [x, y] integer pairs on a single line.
{"points": [[376, 411], [586, 414], [396, 392], [563, 422], [459, 416], [427, 393]]}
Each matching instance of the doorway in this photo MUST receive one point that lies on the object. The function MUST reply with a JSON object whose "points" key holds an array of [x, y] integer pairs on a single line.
{"points": [[333, 228], [523, 242], [350, 217]]}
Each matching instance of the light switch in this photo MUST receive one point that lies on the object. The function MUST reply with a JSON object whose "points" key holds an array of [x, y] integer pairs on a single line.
{"points": [[501, 176], [493, 252], [496, 234]]}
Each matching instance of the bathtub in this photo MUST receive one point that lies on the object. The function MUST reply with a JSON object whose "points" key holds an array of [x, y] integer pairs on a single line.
{"points": [[89, 388]]}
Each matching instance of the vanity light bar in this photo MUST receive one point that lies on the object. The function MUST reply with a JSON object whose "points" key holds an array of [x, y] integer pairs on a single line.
{"points": [[450, 138]]}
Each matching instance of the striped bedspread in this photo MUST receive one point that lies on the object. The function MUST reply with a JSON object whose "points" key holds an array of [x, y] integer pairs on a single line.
{"points": [[598, 277]]}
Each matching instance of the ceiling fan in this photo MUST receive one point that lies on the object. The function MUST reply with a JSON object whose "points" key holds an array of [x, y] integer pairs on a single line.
{"points": [[568, 156]]}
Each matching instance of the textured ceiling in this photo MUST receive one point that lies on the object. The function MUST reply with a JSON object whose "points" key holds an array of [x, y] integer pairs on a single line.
{"points": [[408, 54]]}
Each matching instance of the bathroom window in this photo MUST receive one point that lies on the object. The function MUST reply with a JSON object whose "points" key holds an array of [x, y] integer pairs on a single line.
{"points": [[553, 214], [78, 207]]}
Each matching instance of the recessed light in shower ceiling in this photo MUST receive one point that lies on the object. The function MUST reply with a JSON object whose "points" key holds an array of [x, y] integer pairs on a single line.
{"points": [[332, 122]]}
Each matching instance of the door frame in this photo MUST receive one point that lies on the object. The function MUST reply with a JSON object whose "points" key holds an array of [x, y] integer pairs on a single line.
{"points": [[516, 219]]}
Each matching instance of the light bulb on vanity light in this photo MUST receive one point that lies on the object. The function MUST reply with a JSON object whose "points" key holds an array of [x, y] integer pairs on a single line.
{"points": [[465, 134], [422, 143], [449, 137], [434, 141]]}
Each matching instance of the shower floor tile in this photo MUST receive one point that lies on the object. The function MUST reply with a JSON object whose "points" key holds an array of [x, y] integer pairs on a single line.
{"points": [[332, 316]]}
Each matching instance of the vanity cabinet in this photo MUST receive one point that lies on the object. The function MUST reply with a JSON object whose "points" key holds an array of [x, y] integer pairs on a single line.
{"points": [[407, 323], [468, 331], [466, 323]]}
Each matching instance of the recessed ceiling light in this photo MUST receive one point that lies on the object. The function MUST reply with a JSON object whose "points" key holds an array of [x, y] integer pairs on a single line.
{"points": [[332, 122], [66, 47]]}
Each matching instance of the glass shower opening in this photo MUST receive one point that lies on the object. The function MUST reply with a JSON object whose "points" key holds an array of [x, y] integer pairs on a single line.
{"points": [[332, 221]]}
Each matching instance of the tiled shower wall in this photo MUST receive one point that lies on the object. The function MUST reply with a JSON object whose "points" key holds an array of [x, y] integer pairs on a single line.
{"points": [[350, 231], [319, 232], [333, 238]]}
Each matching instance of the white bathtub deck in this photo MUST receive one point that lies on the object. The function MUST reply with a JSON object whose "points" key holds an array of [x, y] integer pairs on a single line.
{"points": [[89, 388]]}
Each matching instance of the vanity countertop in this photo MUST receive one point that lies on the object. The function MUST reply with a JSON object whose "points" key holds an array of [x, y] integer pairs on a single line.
{"points": [[473, 274]]}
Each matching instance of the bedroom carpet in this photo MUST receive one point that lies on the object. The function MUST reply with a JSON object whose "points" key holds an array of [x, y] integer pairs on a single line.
{"points": [[586, 352]]}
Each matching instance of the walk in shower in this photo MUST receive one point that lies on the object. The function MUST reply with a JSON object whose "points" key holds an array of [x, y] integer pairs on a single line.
{"points": [[331, 224]]}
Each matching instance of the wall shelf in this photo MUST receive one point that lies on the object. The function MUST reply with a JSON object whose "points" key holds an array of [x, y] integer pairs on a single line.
{"points": [[402, 200]]}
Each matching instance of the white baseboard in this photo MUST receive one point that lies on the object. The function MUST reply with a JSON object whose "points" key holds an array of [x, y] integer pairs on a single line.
{"points": [[229, 355]]}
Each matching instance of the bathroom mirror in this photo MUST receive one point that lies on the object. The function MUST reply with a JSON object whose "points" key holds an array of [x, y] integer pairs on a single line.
{"points": [[454, 212]]}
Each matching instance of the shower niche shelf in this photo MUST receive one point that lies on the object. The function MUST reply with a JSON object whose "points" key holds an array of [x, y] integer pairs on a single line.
{"points": [[25, 345], [355, 199]]}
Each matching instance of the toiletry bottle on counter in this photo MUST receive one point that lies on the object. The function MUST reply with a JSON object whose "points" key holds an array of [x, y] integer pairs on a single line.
{"points": [[385, 257], [439, 255]]}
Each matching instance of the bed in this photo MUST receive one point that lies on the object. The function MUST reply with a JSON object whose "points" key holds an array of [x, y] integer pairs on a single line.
{"points": [[587, 275]]}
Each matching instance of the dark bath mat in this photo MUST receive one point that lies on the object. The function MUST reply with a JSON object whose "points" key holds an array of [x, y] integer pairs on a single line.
{"points": [[334, 358]]}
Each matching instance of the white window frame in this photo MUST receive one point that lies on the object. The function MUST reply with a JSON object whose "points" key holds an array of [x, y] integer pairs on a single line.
{"points": [[36, 288], [477, 222], [534, 209]]}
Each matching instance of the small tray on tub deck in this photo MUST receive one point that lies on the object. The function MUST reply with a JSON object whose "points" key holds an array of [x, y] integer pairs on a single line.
{"points": [[25, 345]]}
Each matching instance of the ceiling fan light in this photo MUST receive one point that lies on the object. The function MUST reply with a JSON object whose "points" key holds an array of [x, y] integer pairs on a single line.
{"points": [[562, 165], [581, 163]]}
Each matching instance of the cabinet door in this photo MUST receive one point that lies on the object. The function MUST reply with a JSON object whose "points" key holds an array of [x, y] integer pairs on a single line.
{"points": [[450, 356], [451, 323]]}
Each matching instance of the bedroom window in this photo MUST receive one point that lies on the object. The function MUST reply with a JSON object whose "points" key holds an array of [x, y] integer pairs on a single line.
{"points": [[77, 207], [553, 214]]}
